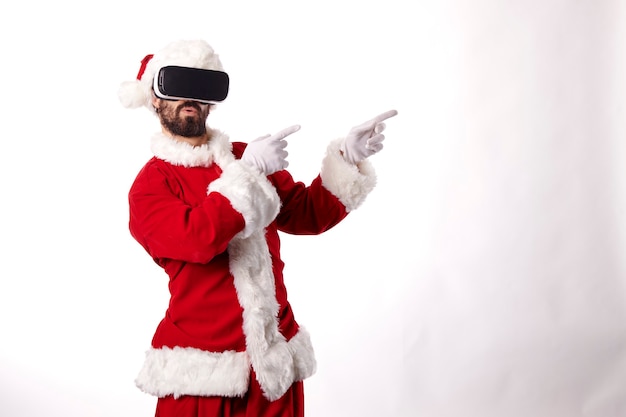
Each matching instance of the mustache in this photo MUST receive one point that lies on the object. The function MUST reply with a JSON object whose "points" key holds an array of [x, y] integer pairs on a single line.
{"points": [[193, 104]]}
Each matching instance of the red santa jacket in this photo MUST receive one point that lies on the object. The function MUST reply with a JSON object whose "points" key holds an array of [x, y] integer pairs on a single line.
{"points": [[211, 222]]}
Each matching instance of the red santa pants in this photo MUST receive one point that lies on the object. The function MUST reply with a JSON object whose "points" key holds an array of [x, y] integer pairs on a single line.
{"points": [[253, 404]]}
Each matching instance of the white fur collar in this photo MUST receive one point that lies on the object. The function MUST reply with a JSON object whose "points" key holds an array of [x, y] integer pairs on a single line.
{"points": [[218, 150]]}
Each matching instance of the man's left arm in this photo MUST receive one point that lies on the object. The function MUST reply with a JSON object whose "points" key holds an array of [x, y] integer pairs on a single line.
{"points": [[345, 180]]}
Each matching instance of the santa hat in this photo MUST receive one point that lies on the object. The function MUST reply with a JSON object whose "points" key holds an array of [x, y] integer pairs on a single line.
{"points": [[184, 53]]}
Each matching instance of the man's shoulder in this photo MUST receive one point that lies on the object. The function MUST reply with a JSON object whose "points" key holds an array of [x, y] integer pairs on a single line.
{"points": [[153, 167]]}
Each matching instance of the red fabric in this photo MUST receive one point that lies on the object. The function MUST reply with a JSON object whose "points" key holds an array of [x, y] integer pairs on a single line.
{"points": [[142, 68], [187, 233], [253, 404]]}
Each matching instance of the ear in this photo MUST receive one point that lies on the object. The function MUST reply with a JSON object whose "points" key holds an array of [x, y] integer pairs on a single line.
{"points": [[156, 102]]}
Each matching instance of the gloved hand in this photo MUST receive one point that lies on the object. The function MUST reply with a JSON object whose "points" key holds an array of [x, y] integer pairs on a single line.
{"points": [[268, 153], [365, 139]]}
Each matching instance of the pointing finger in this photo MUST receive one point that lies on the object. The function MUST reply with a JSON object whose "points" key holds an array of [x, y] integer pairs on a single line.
{"points": [[372, 123], [384, 116], [286, 132]]}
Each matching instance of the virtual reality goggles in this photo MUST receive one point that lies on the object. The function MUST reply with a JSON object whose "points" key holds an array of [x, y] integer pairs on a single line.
{"points": [[184, 83]]}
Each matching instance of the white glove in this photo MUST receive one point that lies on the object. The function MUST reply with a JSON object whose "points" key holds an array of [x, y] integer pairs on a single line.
{"points": [[268, 153], [365, 139]]}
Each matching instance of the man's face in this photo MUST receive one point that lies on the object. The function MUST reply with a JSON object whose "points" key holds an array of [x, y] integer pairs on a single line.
{"points": [[183, 118]]}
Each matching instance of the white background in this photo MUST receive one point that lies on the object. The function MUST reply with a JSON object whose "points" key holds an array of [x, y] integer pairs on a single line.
{"points": [[485, 275]]}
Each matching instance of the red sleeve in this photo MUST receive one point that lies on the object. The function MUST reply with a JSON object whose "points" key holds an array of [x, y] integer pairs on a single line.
{"points": [[168, 227], [306, 210]]}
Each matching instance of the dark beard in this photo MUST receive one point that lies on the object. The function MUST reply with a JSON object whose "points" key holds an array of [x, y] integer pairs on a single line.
{"points": [[188, 126]]}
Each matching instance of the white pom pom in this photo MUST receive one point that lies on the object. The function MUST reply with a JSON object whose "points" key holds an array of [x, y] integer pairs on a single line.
{"points": [[131, 94]]}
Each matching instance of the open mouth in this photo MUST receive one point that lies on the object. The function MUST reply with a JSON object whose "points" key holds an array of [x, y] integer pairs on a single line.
{"points": [[189, 110]]}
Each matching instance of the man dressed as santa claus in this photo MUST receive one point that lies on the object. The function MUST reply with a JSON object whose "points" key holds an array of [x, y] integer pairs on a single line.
{"points": [[208, 211]]}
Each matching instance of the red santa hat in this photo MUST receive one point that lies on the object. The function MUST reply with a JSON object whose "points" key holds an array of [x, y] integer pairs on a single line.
{"points": [[184, 53]]}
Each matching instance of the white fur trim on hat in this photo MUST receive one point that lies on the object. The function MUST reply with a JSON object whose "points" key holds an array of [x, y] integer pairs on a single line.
{"points": [[184, 53]]}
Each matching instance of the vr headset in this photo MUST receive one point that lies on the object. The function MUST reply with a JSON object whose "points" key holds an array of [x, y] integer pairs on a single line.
{"points": [[184, 83]]}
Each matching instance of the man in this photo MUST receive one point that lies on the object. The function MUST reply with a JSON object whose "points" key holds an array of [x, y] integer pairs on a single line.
{"points": [[208, 211]]}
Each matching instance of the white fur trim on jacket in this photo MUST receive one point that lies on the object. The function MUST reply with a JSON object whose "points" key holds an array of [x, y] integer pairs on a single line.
{"points": [[349, 183], [276, 362], [189, 371], [218, 150]]}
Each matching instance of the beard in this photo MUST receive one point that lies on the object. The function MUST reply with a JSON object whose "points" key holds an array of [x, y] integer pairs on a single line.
{"points": [[187, 126]]}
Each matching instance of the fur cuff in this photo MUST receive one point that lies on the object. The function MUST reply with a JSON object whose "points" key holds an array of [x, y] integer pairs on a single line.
{"points": [[349, 183], [250, 193]]}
